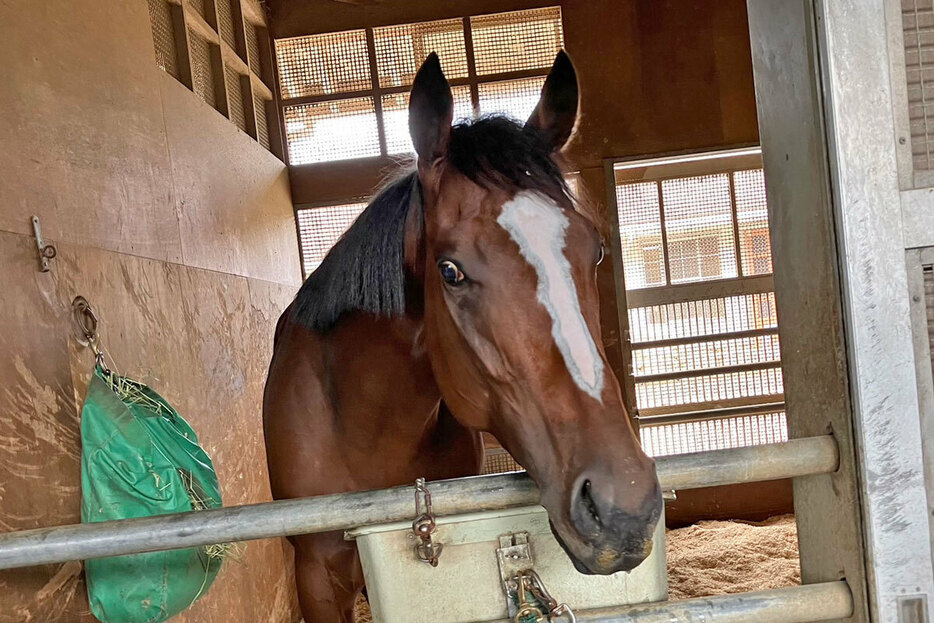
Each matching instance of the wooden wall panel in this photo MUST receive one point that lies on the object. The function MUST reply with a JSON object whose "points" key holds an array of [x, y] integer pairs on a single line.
{"points": [[83, 140], [234, 208]]}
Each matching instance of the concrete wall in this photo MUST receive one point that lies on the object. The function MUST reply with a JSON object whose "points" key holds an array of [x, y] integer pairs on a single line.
{"points": [[178, 228]]}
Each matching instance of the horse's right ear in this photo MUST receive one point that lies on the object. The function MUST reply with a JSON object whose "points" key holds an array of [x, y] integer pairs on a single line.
{"points": [[431, 109]]}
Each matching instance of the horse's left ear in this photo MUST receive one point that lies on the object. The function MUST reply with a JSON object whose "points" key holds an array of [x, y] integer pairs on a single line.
{"points": [[556, 112]]}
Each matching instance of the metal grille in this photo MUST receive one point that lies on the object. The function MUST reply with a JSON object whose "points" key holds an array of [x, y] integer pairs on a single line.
{"points": [[198, 6], [517, 40], [400, 50], [226, 22], [320, 228], [699, 225], [640, 229], [262, 125], [202, 68], [929, 306], [918, 25], [326, 131], [252, 47], [163, 36], [396, 118], [235, 97], [322, 64], [515, 98], [703, 317], [498, 461], [700, 356], [752, 218], [709, 435], [709, 388]]}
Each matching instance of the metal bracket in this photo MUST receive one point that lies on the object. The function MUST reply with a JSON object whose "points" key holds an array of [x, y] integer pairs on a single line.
{"points": [[514, 556], [47, 252]]}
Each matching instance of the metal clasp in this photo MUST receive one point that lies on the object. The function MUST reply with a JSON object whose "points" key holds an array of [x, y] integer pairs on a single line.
{"points": [[529, 582], [47, 252], [424, 526]]}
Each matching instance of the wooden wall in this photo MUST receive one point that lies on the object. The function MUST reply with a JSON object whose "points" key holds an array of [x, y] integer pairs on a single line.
{"points": [[179, 230]]}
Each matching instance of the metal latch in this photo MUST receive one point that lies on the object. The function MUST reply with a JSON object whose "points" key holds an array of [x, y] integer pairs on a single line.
{"points": [[514, 557], [46, 251]]}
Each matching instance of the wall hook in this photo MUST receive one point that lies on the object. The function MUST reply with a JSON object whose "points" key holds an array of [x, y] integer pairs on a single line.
{"points": [[46, 252]]}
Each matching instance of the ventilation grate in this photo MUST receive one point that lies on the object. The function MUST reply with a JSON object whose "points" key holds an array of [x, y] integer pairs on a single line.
{"points": [[163, 36], [202, 68], [319, 229], [396, 118], [262, 125], [198, 6], [252, 46], [400, 50], [326, 131], [235, 98], [918, 25], [226, 22], [515, 98], [323, 64], [499, 461], [516, 41]]}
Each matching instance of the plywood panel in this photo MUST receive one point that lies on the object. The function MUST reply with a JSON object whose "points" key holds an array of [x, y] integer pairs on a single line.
{"points": [[39, 435], [84, 145], [235, 211]]}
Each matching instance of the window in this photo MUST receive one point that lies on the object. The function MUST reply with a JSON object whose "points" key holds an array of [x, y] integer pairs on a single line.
{"points": [[345, 94], [196, 42], [320, 228], [705, 363]]}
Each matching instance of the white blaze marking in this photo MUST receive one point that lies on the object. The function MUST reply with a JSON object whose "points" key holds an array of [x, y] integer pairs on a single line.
{"points": [[538, 226]]}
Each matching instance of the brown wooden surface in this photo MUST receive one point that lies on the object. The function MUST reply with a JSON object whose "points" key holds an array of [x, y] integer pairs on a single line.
{"points": [[750, 502], [179, 230]]}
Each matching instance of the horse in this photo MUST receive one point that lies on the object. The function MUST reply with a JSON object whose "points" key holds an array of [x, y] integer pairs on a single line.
{"points": [[463, 299]]}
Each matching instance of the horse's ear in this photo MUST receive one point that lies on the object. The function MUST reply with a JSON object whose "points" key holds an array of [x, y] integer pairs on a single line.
{"points": [[556, 112], [431, 109]]}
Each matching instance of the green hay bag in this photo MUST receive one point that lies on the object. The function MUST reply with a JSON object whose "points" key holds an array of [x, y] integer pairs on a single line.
{"points": [[140, 458]]}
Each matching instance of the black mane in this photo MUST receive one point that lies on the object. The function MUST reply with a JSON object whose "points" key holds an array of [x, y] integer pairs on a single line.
{"points": [[365, 270]]}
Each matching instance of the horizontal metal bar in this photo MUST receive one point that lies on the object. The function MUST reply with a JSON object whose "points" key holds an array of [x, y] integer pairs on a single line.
{"points": [[710, 414], [725, 403], [328, 513], [798, 604], [699, 372], [701, 339], [698, 291]]}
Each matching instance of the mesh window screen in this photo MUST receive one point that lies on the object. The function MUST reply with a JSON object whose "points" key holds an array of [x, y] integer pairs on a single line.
{"points": [[326, 131], [517, 40], [400, 50], [640, 232], [319, 229], [498, 461], [753, 222], [163, 36], [235, 98], [708, 435], [918, 25], [225, 21], [516, 98], [699, 224], [252, 47], [703, 317], [396, 118], [202, 68], [322, 64], [198, 6], [262, 124]]}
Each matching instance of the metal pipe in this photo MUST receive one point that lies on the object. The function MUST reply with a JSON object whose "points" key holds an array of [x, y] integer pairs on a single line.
{"points": [[798, 604], [327, 513]]}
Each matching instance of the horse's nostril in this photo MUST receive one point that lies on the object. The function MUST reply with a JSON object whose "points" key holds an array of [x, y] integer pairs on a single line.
{"points": [[589, 504]]}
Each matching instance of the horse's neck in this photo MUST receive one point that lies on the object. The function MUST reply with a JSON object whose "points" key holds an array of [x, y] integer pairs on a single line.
{"points": [[381, 379]]}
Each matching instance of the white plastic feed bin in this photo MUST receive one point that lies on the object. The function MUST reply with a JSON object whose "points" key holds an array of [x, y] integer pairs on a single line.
{"points": [[466, 586]]}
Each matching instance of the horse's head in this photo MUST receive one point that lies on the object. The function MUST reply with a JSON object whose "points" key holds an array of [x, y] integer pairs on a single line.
{"points": [[512, 315]]}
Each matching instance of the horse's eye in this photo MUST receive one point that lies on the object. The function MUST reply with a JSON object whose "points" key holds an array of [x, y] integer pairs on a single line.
{"points": [[451, 272]]}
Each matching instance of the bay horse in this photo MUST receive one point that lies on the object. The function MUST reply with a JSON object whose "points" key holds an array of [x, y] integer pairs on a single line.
{"points": [[463, 299]]}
